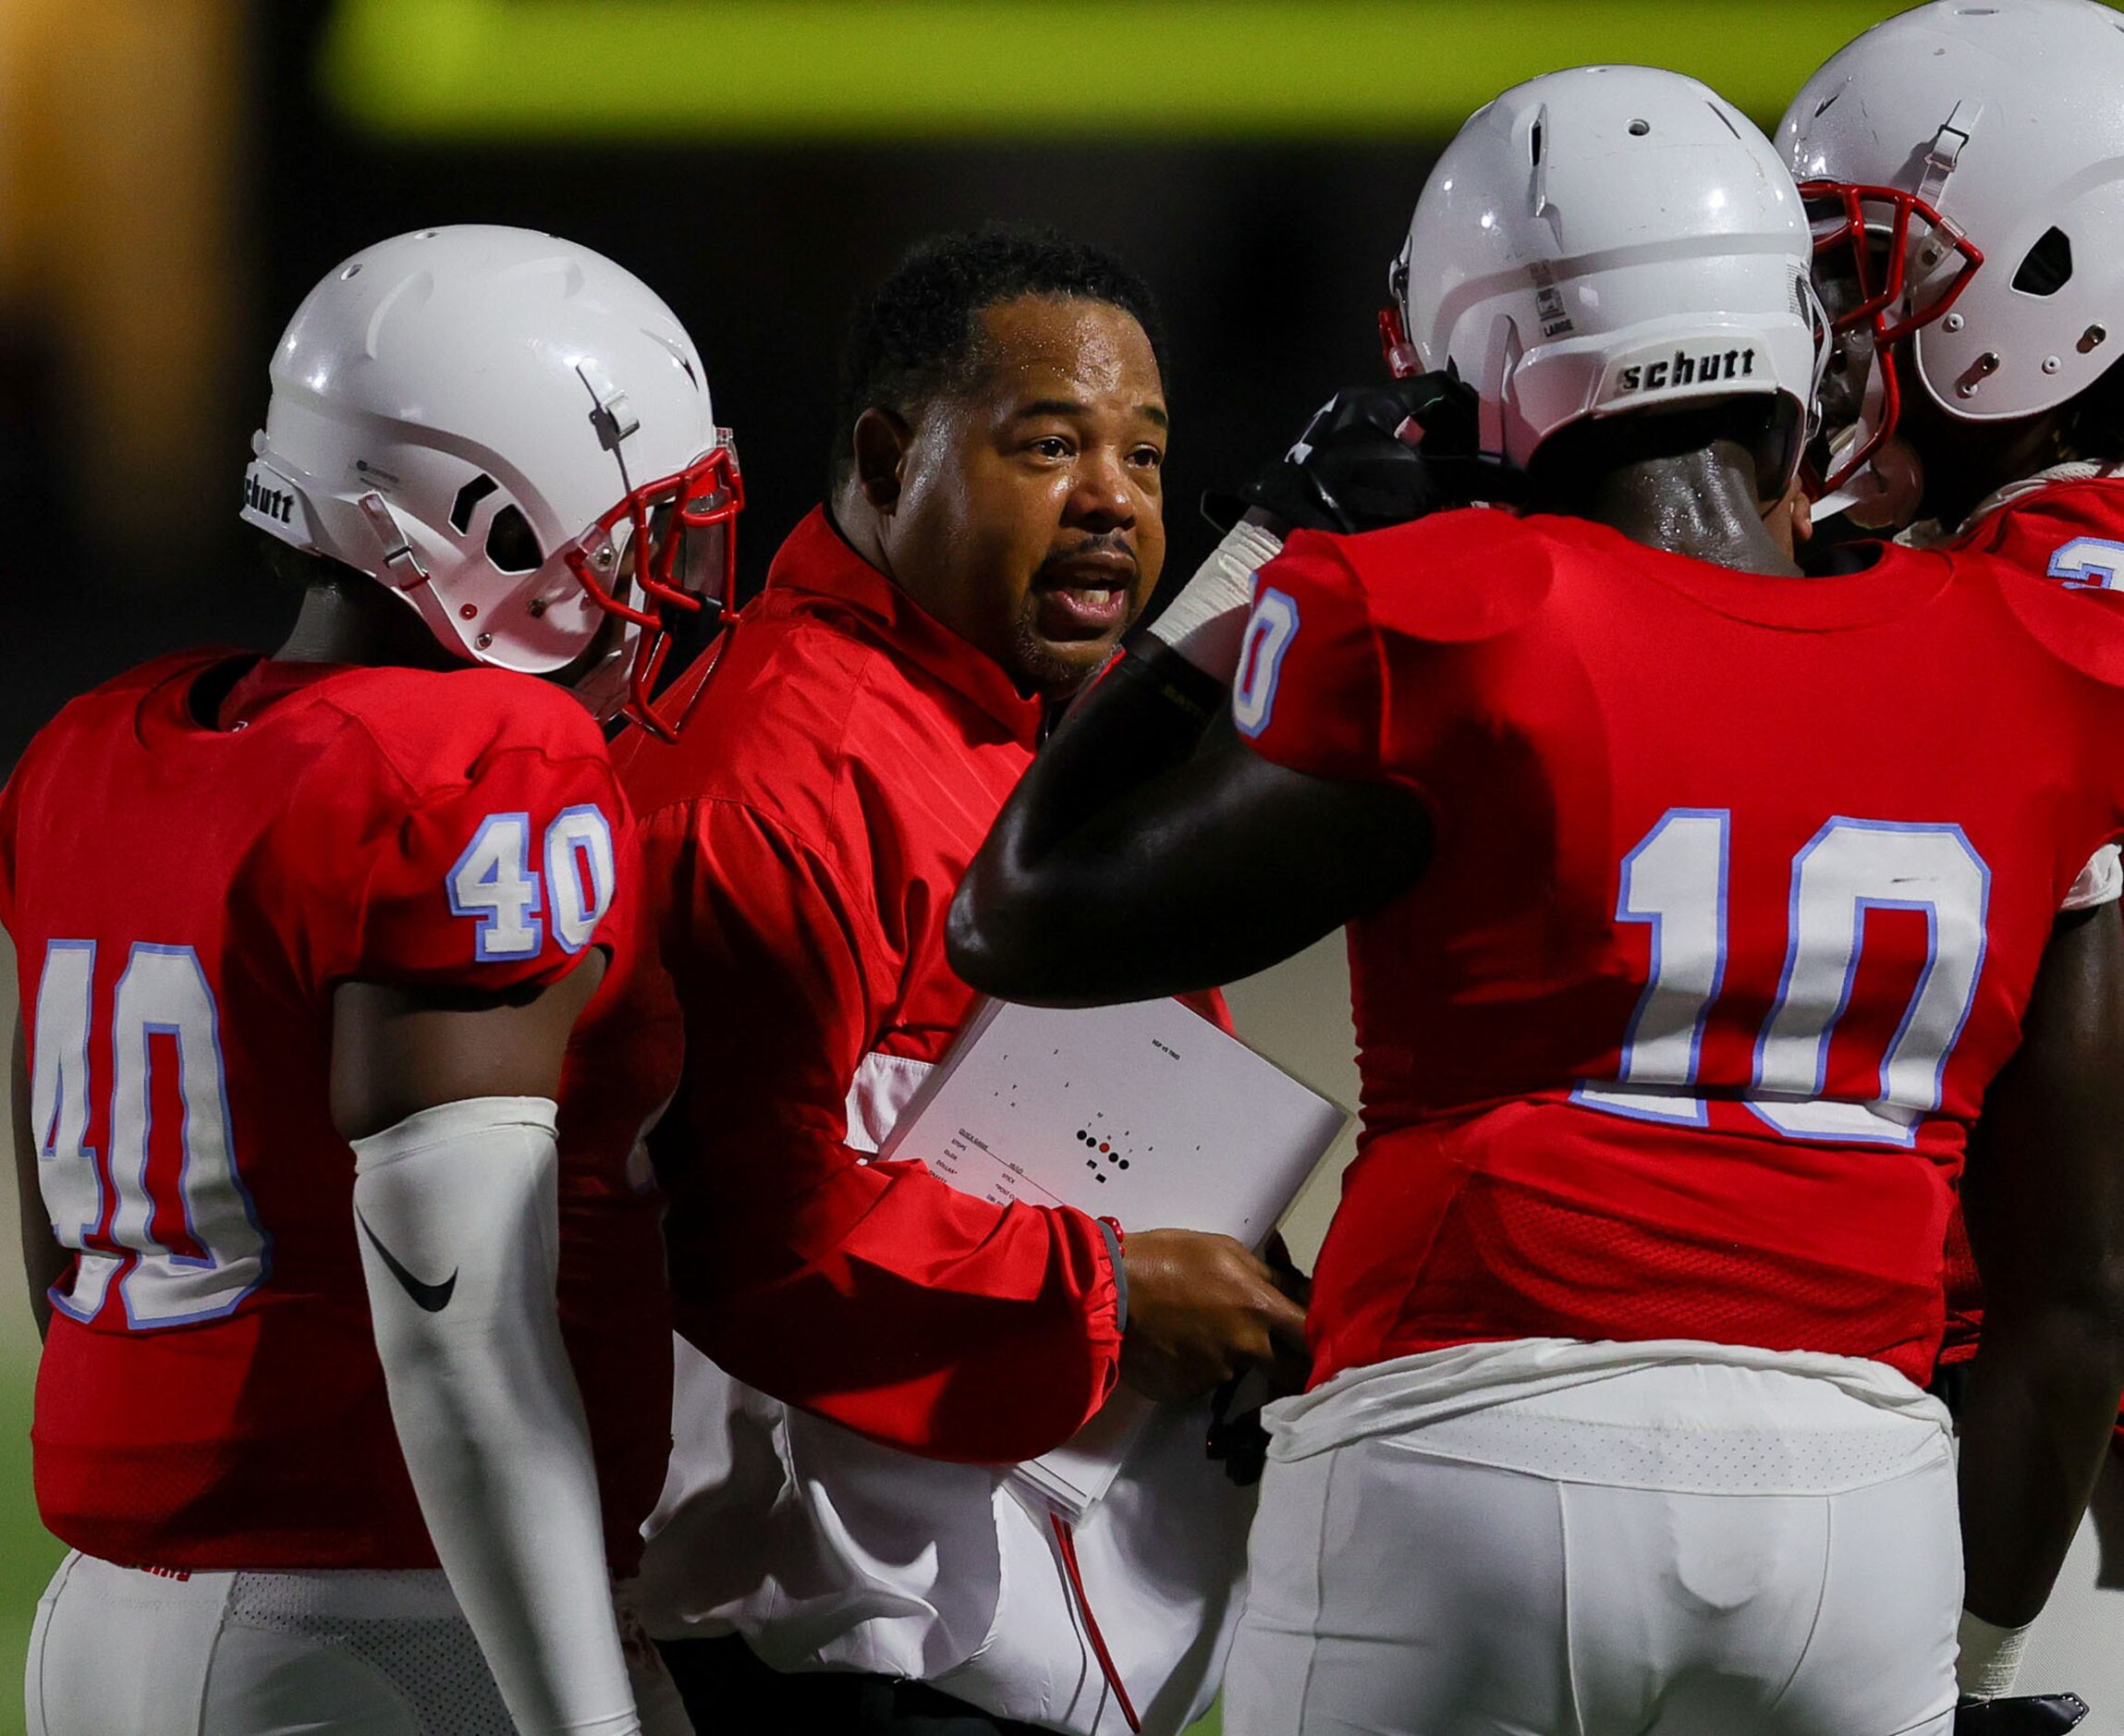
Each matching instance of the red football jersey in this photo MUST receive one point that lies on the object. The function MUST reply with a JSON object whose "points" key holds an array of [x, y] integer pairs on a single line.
{"points": [[2073, 532], [1739, 889], [185, 893]]}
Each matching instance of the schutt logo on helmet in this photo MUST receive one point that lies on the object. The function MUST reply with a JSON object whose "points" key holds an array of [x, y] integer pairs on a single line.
{"points": [[269, 503], [1687, 370]]}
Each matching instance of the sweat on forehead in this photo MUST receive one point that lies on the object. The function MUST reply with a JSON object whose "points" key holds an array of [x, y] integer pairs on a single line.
{"points": [[1079, 345], [920, 333]]}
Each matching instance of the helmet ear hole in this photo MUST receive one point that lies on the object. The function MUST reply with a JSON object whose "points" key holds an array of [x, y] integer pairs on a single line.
{"points": [[512, 546], [469, 496], [2048, 265]]}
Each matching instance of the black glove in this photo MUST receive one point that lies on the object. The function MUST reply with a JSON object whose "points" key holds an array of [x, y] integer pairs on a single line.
{"points": [[2025, 1715], [1237, 1439], [1378, 455]]}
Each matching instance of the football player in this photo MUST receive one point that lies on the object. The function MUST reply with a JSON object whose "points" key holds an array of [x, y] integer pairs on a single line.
{"points": [[1695, 909], [310, 946], [1966, 166]]}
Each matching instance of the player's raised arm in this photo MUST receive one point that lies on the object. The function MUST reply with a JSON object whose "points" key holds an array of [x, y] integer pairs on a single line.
{"points": [[2044, 1200], [1060, 908]]}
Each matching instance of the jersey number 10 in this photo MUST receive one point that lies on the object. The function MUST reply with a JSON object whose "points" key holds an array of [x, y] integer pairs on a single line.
{"points": [[1675, 881]]}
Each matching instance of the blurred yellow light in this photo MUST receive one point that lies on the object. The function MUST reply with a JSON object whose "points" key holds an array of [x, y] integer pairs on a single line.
{"points": [[1086, 70]]}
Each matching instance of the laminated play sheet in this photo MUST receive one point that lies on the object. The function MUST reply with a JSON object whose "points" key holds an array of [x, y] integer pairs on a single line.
{"points": [[1145, 1113]]}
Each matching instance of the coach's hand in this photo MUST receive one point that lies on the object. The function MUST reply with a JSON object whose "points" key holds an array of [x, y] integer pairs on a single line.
{"points": [[1374, 456], [1201, 1310]]}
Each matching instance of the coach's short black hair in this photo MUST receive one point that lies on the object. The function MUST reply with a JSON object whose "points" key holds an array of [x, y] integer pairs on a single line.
{"points": [[915, 336]]}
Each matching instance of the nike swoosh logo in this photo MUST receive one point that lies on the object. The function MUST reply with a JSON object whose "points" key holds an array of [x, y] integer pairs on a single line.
{"points": [[431, 1298]]}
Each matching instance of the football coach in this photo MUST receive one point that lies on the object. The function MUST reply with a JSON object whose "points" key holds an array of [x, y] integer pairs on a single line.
{"points": [[837, 1549]]}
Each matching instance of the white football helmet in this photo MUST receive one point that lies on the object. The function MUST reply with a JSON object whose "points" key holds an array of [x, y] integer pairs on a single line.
{"points": [[1966, 164], [514, 436], [1603, 240]]}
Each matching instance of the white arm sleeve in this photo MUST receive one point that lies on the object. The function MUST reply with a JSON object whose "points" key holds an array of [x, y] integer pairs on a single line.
{"points": [[456, 1214], [2101, 882], [1208, 620]]}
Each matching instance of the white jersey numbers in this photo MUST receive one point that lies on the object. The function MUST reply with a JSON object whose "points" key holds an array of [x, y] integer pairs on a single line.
{"points": [[67, 1169], [1676, 881], [1269, 631], [1852, 867], [1666, 881], [2088, 563], [579, 870], [495, 882], [198, 1251]]}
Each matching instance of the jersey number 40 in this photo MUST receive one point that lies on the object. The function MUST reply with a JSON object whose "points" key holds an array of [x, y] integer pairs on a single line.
{"points": [[102, 1208], [1675, 881]]}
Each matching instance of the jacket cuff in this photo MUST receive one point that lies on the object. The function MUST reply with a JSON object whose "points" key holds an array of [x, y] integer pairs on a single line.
{"points": [[1111, 1229]]}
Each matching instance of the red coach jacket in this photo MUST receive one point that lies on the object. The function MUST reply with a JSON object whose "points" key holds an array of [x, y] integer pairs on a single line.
{"points": [[804, 838]]}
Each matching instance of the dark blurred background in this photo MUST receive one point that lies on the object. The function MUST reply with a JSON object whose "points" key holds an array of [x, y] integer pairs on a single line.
{"points": [[175, 177]]}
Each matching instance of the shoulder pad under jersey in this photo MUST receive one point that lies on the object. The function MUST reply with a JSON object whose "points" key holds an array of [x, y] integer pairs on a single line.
{"points": [[2082, 628], [1451, 578], [435, 727], [2072, 533]]}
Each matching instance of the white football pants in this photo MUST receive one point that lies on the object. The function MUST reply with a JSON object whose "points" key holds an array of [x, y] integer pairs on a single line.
{"points": [[119, 1652], [1397, 1591]]}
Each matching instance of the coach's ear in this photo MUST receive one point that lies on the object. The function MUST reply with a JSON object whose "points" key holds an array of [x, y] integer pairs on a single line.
{"points": [[881, 441]]}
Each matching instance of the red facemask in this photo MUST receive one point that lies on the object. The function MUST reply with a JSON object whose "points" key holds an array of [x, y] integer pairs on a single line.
{"points": [[683, 555], [1882, 295]]}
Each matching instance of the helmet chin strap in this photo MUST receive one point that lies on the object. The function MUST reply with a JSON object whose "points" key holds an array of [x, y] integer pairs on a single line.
{"points": [[402, 568], [603, 686], [1945, 156], [1490, 432]]}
